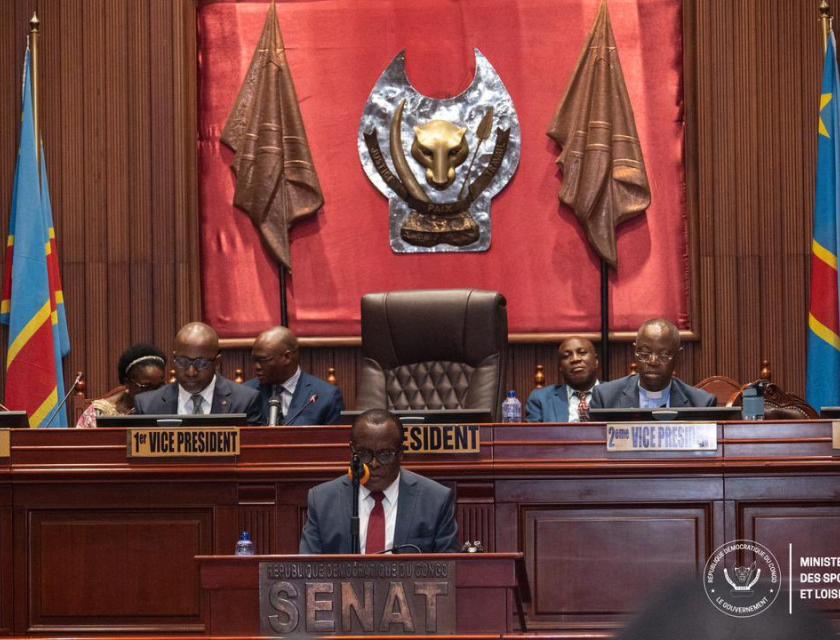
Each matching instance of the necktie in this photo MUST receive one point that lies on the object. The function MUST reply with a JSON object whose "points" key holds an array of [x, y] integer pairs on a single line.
{"points": [[375, 541], [196, 400], [583, 406]]}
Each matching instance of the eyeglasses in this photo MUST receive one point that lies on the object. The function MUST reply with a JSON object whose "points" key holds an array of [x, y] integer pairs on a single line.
{"points": [[182, 362], [648, 356], [384, 456]]}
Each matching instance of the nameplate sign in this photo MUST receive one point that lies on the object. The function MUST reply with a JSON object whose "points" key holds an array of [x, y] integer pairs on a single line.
{"points": [[5, 444], [393, 596], [835, 434], [442, 438], [661, 436], [183, 442]]}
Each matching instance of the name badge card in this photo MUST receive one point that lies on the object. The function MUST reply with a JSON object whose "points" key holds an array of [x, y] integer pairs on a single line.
{"points": [[183, 442], [442, 438], [661, 436], [316, 597], [835, 434], [5, 444]]}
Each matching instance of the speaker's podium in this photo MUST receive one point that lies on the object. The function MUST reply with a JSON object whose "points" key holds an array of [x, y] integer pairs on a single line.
{"points": [[406, 594]]}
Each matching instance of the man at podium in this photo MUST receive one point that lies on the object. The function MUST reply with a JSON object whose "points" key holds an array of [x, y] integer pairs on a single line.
{"points": [[399, 511]]}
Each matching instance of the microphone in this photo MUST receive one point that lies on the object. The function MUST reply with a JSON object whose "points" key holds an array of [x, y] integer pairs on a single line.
{"points": [[66, 395], [401, 548], [362, 473], [312, 400], [273, 411]]}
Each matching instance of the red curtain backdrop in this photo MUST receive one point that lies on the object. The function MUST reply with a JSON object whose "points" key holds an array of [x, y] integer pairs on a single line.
{"points": [[539, 258]]}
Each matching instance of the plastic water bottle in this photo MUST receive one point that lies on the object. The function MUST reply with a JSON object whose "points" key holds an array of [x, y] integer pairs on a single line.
{"points": [[245, 546], [511, 408]]}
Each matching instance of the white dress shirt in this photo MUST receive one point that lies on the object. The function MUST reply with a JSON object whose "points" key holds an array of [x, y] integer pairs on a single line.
{"points": [[287, 390], [389, 504], [654, 399], [185, 403]]}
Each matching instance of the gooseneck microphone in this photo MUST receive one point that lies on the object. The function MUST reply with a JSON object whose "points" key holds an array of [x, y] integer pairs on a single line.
{"points": [[359, 474], [401, 548], [64, 400], [273, 411], [312, 400]]}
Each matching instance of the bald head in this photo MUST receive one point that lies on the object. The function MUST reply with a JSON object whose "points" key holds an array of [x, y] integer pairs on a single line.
{"points": [[275, 355], [660, 328], [277, 339], [656, 349], [197, 333], [196, 355]]}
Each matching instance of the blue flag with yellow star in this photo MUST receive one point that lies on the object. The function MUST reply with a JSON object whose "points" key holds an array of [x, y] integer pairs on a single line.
{"points": [[823, 387]]}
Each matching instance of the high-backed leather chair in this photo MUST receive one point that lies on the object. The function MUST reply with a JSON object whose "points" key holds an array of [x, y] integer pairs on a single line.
{"points": [[441, 349]]}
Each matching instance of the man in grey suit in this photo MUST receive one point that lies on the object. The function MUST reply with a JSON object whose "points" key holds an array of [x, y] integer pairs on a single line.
{"points": [[568, 402], [198, 388], [657, 347], [398, 510]]}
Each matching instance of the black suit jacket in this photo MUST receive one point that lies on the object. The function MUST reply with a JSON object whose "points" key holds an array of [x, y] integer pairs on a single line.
{"points": [[624, 393], [425, 516], [325, 409], [228, 397]]}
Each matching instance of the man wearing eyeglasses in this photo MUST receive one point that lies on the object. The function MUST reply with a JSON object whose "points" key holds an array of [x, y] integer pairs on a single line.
{"points": [[301, 398], [657, 347], [199, 389], [399, 511]]}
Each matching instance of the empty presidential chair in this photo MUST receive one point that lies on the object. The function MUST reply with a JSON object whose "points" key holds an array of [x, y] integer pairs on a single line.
{"points": [[442, 349]]}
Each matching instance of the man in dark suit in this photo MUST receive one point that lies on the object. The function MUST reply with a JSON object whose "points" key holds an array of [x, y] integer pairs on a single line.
{"points": [[657, 347], [198, 388], [398, 509], [567, 402], [303, 399]]}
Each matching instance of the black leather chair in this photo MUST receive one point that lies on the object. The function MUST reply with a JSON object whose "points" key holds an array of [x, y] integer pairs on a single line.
{"points": [[440, 349]]}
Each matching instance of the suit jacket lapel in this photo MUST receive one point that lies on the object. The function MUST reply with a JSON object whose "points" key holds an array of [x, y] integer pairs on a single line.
{"points": [[299, 397], [630, 393], [346, 513], [560, 400], [221, 395], [405, 507], [678, 397], [169, 400]]}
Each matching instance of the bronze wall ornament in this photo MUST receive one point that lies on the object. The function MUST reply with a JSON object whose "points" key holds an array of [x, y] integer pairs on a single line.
{"points": [[463, 151]]}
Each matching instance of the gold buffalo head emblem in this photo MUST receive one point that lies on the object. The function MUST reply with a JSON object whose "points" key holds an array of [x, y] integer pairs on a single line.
{"points": [[440, 146]]}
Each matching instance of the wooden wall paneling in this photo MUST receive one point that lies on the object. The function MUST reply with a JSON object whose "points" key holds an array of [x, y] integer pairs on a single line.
{"points": [[82, 547], [69, 201], [118, 210], [96, 323], [6, 561], [141, 222], [165, 248], [184, 67]]}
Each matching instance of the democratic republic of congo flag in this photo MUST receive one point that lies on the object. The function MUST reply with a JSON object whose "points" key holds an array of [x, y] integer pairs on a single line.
{"points": [[32, 303], [824, 318]]}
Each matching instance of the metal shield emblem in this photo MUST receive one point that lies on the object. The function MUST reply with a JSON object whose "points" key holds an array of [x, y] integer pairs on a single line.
{"points": [[439, 162]]}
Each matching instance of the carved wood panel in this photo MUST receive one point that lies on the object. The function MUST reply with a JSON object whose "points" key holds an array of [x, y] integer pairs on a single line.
{"points": [[78, 563]]}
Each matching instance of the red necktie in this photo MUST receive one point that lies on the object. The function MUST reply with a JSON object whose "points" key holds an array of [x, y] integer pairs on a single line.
{"points": [[583, 407], [375, 542]]}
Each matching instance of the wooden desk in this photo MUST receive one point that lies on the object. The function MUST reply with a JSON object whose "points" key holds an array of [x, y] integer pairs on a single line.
{"points": [[93, 542], [486, 583]]}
